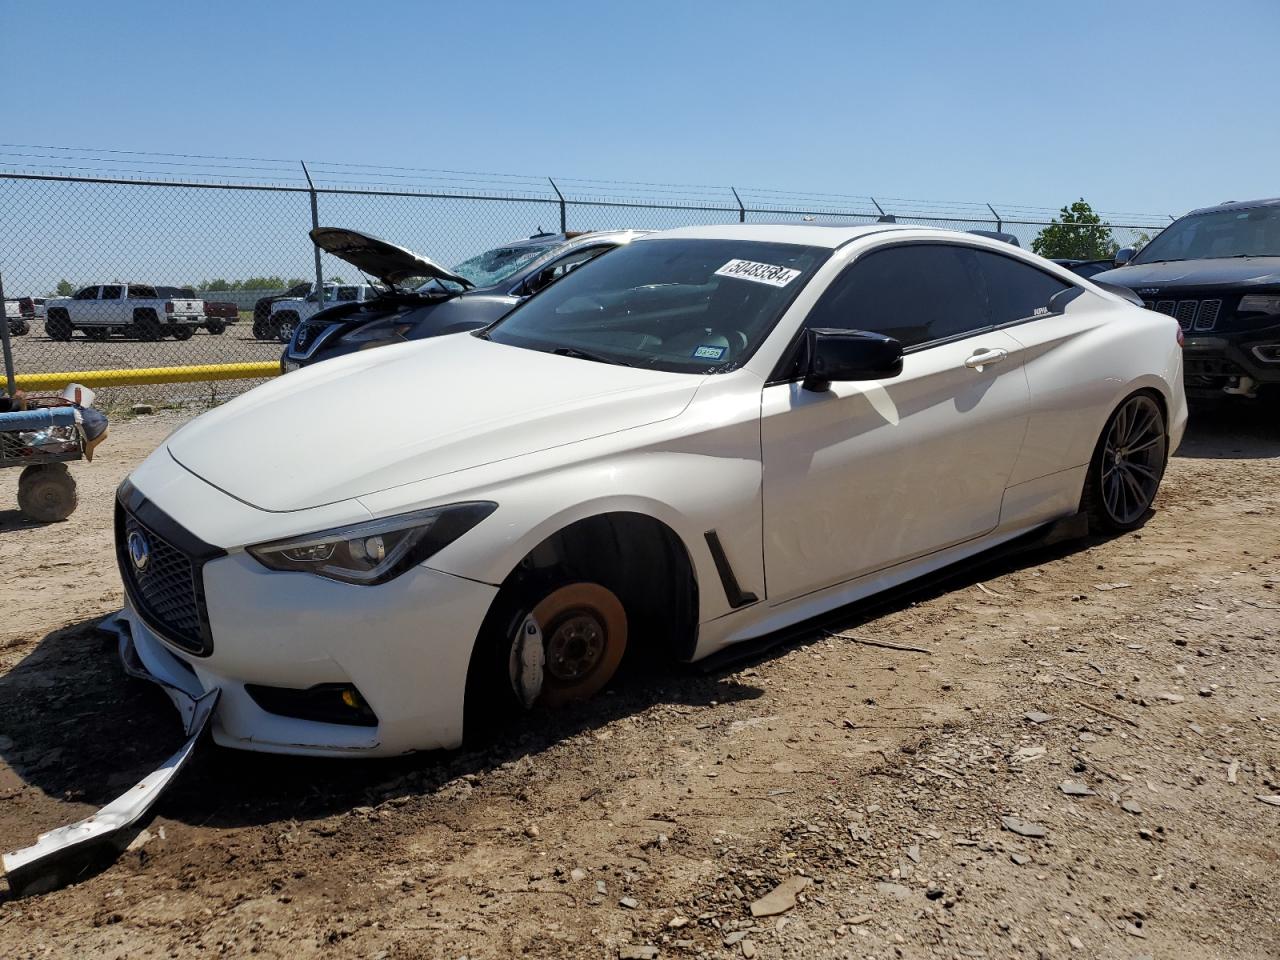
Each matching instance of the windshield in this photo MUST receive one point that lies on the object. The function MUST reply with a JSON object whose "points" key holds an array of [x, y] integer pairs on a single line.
{"points": [[1227, 233], [690, 306], [494, 266]]}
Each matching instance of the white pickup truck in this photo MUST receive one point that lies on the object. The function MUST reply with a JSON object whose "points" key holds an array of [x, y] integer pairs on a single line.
{"points": [[131, 309], [288, 313]]}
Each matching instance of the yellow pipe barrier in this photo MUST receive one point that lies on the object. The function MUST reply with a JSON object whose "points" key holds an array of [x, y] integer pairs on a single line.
{"points": [[148, 375]]}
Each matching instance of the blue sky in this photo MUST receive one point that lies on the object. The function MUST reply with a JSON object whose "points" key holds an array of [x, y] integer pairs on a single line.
{"points": [[1146, 107]]}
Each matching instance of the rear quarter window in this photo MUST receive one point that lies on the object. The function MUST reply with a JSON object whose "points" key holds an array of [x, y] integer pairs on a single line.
{"points": [[1016, 290]]}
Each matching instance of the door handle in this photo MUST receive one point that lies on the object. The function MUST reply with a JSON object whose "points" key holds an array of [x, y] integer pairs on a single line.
{"points": [[983, 356]]}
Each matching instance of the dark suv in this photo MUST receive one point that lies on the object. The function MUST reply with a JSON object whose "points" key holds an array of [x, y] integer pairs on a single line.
{"points": [[1217, 271]]}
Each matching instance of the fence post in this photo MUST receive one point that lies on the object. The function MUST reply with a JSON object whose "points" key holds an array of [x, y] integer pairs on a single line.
{"points": [[564, 228], [999, 219], [4, 341], [315, 222], [742, 211]]}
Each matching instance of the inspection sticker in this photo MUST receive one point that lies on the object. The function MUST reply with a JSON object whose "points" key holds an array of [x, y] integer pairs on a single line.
{"points": [[708, 353], [759, 272]]}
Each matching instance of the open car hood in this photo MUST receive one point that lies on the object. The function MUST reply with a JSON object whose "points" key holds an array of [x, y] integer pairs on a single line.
{"points": [[380, 258]]}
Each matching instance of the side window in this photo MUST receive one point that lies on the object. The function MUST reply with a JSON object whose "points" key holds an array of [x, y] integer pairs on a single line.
{"points": [[112, 292], [914, 293], [348, 294], [88, 293], [566, 264], [574, 260], [139, 292], [1016, 290]]}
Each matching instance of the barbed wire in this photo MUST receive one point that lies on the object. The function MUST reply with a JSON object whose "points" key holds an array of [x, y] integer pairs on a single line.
{"points": [[230, 169]]}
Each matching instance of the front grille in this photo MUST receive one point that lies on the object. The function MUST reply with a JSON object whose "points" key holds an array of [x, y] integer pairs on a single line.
{"points": [[1185, 314], [1202, 315], [1207, 319], [166, 587]]}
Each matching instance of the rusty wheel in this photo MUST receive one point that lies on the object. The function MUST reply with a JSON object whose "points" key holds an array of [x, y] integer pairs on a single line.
{"points": [[47, 492], [584, 635]]}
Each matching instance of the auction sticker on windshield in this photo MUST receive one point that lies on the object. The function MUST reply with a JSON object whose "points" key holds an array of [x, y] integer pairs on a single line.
{"points": [[768, 273]]}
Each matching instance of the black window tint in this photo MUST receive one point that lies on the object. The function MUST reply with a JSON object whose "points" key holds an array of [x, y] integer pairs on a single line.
{"points": [[914, 293], [88, 293], [138, 292], [112, 293], [1016, 290]]}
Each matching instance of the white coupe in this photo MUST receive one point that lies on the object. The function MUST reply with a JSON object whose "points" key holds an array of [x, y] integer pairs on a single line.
{"points": [[709, 435]]}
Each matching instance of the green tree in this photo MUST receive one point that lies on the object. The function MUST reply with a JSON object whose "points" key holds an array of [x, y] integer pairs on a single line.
{"points": [[262, 283], [1079, 234], [65, 288], [215, 286]]}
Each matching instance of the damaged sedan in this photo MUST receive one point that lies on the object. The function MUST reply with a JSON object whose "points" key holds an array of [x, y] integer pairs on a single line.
{"points": [[703, 438], [473, 294]]}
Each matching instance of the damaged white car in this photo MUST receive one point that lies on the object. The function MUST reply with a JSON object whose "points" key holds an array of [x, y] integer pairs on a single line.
{"points": [[707, 436]]}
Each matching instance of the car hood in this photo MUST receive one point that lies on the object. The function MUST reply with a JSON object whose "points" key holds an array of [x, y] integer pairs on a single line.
{"points": [[1221, 272], [378, 419], [380, 258]]}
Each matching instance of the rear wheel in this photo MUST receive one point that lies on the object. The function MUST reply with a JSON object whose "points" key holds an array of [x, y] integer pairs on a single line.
{"points": [[216, 327], [147, 325], [182, 332], [47, 492], [1128, 465], [58, 325], [19, 328]]}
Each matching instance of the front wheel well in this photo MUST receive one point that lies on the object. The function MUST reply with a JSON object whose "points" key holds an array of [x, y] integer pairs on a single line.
{"points": [[641, 559]]}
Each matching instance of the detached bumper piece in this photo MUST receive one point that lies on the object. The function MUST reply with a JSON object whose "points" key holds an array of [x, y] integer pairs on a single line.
{"points": [[60, 856]]}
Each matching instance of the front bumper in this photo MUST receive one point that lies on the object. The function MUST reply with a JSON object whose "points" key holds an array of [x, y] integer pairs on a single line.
{"points": [[405, 645], [1210, 359]]}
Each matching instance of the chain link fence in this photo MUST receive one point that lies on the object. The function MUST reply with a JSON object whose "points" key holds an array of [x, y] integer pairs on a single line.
{"points": [[235, 245]]}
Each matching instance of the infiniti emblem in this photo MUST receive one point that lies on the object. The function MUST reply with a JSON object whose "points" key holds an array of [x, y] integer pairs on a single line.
{"points": [[139, 550]]}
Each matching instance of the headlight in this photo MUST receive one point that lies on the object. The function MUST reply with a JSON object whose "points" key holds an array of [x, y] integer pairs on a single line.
{"points": [[377, 550], [1255, 303]]}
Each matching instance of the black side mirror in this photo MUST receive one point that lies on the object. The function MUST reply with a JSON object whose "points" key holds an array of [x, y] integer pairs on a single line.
{"points": [[1123, 256], [849, 355]]}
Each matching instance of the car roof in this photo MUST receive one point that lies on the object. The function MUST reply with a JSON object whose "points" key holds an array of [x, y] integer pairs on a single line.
{"points": [[1237, 205], [819, 235]]}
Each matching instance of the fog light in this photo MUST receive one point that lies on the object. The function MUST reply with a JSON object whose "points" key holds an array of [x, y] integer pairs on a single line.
{"points": [[324, 703], [1267, 352]]}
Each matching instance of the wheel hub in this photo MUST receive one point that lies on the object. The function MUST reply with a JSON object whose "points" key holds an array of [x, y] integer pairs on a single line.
{"points": [[575, 646]]}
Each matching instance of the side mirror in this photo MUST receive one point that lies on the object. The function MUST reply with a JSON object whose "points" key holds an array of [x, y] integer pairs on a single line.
{"points": [[1123, 256], [849, 355]]}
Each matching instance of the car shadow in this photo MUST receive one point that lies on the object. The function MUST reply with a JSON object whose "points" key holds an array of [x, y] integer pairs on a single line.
{"points": [[77, 727], [1232, 430]]}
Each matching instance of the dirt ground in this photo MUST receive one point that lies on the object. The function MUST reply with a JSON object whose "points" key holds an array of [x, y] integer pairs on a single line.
{"points": [[1118, 700]]}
